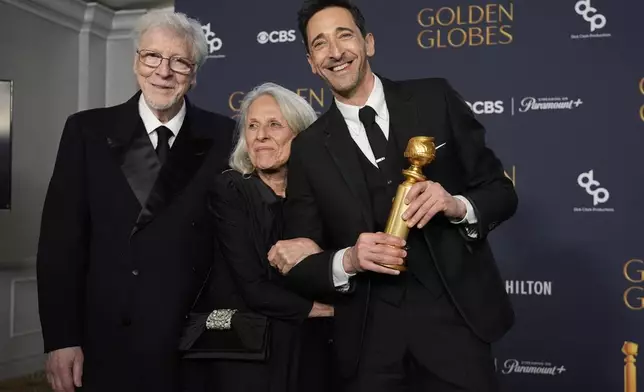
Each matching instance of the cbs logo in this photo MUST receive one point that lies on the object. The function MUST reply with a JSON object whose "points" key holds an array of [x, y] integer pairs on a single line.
{"points": [[276, 36], [486, 107], [634, 273]]}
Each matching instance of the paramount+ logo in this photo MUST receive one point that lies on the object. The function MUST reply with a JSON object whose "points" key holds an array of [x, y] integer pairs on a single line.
{"points": [[465, 26]]}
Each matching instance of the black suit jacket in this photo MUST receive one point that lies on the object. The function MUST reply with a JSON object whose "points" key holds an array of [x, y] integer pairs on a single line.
{"points": [[117, 269], [327, 194], [248, 218]]}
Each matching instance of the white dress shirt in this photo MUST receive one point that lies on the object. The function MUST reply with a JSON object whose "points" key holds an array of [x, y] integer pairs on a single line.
{"points": [[358, 133], [151, 122]]}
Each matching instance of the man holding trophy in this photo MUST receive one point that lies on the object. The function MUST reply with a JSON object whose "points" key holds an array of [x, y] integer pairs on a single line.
{"points": [[417, 294]]}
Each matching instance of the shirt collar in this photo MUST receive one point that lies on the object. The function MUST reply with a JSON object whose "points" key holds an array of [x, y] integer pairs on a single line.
{"points": [[376, 100], [151, 122]]}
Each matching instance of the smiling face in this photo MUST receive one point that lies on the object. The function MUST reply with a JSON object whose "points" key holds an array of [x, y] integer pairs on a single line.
{"points": [[162, 87], [338, 52], [267, 134]]}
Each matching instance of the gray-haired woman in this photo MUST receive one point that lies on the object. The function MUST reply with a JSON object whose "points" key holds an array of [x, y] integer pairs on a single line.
{"points": [[261, 335]]}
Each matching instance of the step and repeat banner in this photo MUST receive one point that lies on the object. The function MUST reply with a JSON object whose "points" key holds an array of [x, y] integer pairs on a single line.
{"points": [[559, 85]]}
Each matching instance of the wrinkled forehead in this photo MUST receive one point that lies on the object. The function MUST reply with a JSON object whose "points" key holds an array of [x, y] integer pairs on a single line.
{"points": [[265, 106]]}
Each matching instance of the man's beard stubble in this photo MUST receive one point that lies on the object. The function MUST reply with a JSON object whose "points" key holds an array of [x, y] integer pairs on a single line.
{"points": [[349, 91]]}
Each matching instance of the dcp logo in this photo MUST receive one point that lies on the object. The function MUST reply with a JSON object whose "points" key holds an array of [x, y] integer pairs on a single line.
{"points": [[597, 21], [214, 43], [486, 107], [276, 36], [586, 181]]}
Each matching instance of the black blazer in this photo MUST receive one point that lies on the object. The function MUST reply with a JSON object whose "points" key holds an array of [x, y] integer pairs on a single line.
{"points": [[248, 219], [326, 197], [117, 270]]}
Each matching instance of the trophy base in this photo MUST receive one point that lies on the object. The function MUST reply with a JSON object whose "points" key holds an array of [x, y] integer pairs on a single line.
{"points": [[394, 266]]}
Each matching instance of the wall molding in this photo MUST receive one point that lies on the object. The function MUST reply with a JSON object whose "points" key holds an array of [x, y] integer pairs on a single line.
{"points": [[12, 308], [97, 20], [91, 18], [67, 13], [123, 23], [24, 264]]}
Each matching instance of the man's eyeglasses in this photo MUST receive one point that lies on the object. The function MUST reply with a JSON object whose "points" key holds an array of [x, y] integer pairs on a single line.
{"points": [[177, 64]]}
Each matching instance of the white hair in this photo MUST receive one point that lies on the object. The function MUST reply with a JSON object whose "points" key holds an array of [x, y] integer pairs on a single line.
{"points": [[182, 25], [296, 111]]}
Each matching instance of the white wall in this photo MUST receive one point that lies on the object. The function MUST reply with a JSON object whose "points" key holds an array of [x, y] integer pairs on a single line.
{"points": [[63, 56], [120, 80]]}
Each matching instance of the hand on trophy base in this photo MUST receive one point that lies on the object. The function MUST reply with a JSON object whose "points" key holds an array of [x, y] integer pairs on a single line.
{"points": [[372, 251], [401, 268], [398, 267]]}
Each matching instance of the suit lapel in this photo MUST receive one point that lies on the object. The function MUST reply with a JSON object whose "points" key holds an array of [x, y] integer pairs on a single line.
{"points": [[405, 121], [403, 113], [185, 158], [132, 150], [343, 151]]}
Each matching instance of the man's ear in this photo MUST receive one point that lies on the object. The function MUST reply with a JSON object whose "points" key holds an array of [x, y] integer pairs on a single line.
{"points": [[308, 58], [370, 43]]}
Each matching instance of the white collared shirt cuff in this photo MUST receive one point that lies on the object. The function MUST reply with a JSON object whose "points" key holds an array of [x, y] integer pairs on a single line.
{"points": [[469, 219], [470, 216], [340, 276]]}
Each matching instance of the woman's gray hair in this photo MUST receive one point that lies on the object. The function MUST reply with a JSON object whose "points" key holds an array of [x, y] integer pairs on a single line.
{"points": [[296, 111], [180, 24]]}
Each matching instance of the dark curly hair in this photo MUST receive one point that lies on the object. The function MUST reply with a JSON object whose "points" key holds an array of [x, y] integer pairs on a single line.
{"points": [[312, 7]]}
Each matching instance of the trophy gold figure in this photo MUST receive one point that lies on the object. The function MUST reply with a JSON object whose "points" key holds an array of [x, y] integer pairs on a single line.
{"points": [[420, 151], [630, 371]]}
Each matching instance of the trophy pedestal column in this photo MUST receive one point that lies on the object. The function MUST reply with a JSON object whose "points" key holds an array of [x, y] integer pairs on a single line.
{"points": [[420, 151]]}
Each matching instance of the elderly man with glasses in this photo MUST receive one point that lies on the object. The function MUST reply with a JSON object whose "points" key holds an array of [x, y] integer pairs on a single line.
{"points": [[125, 238]]}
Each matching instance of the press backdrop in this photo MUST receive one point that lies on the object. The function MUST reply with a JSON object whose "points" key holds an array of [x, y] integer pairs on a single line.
{"points": [[559, 85]]}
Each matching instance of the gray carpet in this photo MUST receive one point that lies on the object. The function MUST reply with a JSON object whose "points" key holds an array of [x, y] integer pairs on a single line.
{"points": [[36, 382]]}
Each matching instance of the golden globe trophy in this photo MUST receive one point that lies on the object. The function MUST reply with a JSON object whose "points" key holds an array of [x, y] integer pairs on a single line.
{"points": [[630, 370], [420, 151]]}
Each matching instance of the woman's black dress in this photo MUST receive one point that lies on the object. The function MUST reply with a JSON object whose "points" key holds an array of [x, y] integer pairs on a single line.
{"points": [[247, 216]]}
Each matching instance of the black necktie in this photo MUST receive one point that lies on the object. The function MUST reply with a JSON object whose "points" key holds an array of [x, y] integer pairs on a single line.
{"points": [[163, 145], [376, 137]]}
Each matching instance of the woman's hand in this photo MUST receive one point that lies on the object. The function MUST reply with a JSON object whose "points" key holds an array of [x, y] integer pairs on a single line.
{"points": [[286, 254], [321, 310]]}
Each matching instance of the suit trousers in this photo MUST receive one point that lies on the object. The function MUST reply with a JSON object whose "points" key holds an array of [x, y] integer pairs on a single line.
{"points": [[422, 345]]}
